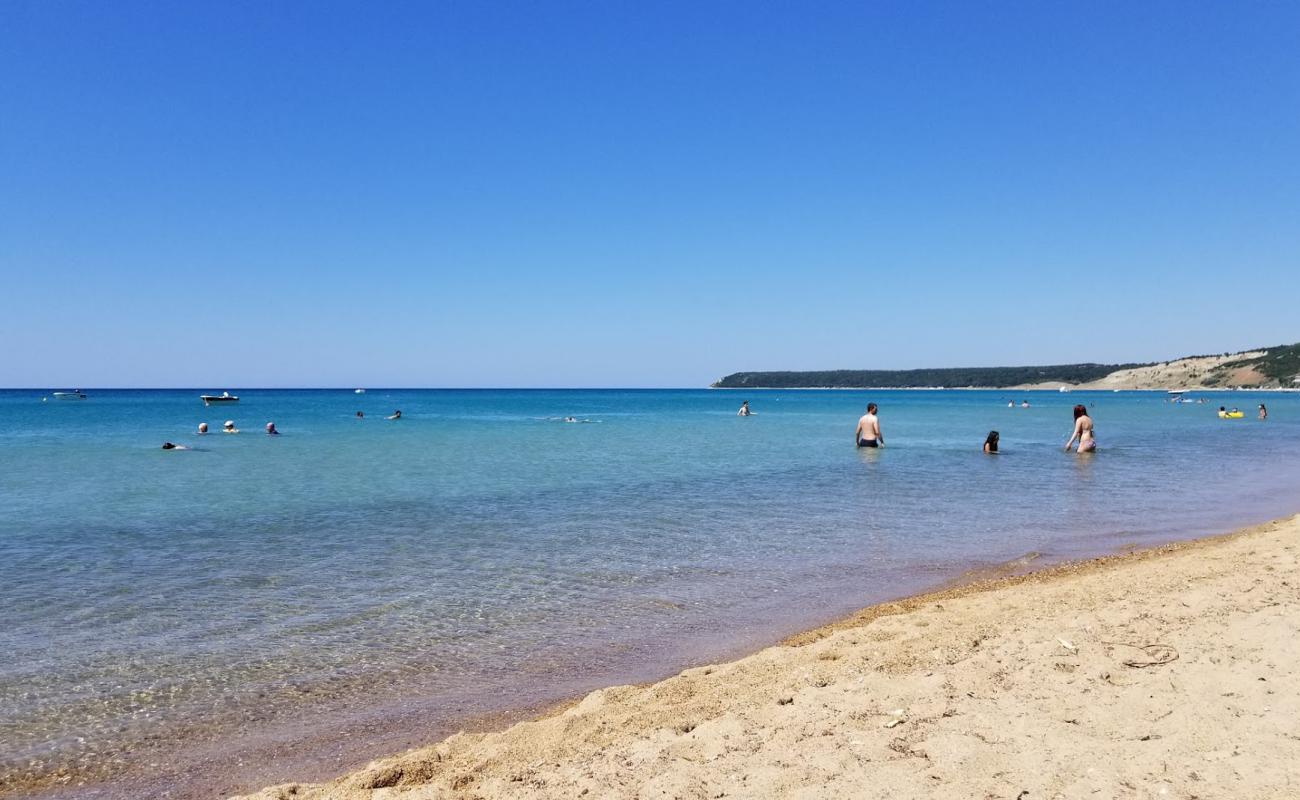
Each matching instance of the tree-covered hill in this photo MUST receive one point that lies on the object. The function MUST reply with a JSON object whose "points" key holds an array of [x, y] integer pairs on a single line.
{"points": [[949, 376], [1261, 367]]}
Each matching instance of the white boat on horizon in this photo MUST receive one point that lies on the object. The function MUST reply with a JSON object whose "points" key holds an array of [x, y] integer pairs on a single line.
{"points": [[359, 391], [224, 397], [75, 394]]}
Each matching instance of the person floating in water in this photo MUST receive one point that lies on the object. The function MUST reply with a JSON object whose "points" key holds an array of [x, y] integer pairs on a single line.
{"points": [[229, 427], [991, 443], [868, 433], [396, 415], [744, 409], [1024, 404], [270, 429], [170, 446], [1011, 404], [361, 415], [203, 429], [1263, 412], [1082, 431]]}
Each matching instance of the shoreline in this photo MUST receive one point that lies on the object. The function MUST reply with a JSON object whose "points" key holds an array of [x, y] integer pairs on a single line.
{"points": [[626, 740], [1048, 387]]}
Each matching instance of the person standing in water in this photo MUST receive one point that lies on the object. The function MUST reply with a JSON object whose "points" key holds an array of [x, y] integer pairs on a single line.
{"points": [[1263, 412], [744, 409], [868, 432], [991, 443], [1082, 431]]}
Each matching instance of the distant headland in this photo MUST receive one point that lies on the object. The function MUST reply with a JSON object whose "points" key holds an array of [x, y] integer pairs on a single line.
{"points": [[1263, 368]]}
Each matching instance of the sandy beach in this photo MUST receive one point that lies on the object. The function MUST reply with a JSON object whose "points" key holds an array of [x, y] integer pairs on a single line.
{"points": [[1162, 673]]}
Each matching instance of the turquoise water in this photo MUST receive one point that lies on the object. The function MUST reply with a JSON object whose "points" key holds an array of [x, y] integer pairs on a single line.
{"points": [[373, 580]]}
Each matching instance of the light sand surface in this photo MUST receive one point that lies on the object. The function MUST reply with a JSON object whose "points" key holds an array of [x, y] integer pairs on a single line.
{"points": [[1183, 373], [1165, 673]]}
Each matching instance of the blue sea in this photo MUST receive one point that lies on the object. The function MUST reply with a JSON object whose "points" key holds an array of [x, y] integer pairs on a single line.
{"points": [[265, 608]]}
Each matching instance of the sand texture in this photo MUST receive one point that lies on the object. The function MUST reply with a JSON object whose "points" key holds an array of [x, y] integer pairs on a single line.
{"points": [[1164, 673]]}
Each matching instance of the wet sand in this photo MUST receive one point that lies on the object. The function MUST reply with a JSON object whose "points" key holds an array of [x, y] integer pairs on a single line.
{"points": [[1168, 672]]}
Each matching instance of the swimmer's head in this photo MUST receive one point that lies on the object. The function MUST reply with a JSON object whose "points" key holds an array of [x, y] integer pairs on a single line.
{"points": [[230, 423], [168, 446], [270, 427], [203, 427], [871, 408]]}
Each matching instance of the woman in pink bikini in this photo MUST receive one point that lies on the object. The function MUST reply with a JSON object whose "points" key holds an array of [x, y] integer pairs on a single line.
{"points": [[1082, 431]]}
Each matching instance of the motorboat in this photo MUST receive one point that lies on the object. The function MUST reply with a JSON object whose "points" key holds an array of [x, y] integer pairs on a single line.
{"points": [[359, 391], [224, 397], [75, 394]]}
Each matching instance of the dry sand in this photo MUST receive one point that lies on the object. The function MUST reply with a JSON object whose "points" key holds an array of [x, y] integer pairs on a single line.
{"points": [[1164, 673], [1183, 373]]}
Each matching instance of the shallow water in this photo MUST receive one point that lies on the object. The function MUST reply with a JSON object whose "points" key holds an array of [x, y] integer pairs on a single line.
{"points": [[482, 554]]}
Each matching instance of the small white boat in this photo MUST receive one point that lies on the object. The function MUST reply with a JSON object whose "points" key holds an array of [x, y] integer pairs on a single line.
{"points": [[224, 397], [360, 391], [1064, 389], [75, 394]]}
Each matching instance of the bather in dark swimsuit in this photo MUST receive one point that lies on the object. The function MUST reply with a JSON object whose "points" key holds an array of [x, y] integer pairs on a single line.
{"points": [[867, 443]]}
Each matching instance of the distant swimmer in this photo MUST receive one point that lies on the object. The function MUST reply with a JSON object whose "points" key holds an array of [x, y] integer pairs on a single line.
{"points": [[570, 419], [991, 443], [361, 415], [1011, 404], [1082, 431], [868, 433], [203, 429], [170, 446], [395, 415], [229, 427], [1024, 404], [1263, 412], [744, 409], [270, 429]]}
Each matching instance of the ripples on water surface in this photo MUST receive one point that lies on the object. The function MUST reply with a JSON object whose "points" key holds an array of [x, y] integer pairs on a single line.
{"points": [[480, 554]]}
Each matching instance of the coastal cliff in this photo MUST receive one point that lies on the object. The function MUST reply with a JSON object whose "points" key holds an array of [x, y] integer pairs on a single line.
{"points": [[1262, 368]]}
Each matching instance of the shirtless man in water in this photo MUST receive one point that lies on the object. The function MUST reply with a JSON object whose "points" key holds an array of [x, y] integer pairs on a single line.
{"points": [[868, 432]]}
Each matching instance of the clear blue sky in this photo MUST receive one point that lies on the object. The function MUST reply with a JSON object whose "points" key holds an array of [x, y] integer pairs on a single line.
{"points": [[617, 194]]}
